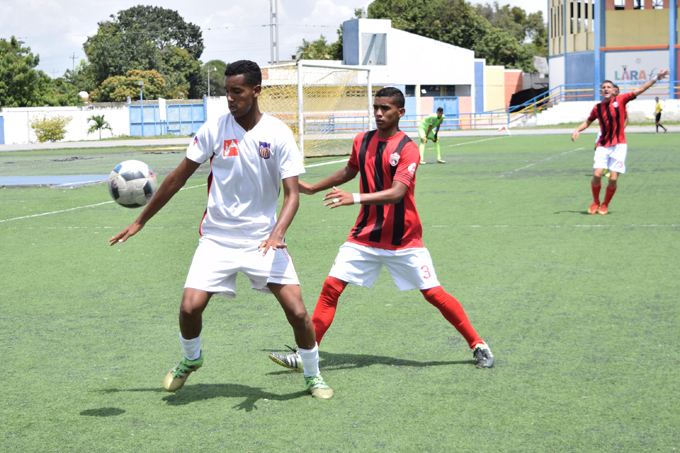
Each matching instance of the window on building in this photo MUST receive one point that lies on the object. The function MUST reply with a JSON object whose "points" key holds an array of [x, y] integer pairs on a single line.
{"points": [[410, 91]]}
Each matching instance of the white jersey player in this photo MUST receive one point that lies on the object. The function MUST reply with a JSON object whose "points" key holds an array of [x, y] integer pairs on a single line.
{"points": [[251, 156]]}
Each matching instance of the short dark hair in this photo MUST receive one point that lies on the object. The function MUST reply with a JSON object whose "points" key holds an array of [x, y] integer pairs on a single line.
{"points": [[440, 109], [615, 86], [394, 93], [607, 81], [250, 71]]}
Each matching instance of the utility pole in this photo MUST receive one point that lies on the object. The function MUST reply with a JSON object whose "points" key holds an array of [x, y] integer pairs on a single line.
{"points": [[274, 29], [54, 72], [73, 57]]}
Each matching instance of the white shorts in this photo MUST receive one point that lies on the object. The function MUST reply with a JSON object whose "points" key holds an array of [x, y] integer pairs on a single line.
{"points": [[361, 265], [215, 266], [611, 157]]}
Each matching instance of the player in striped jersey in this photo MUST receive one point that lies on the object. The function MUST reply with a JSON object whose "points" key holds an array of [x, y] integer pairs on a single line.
{"points": [[388, 230], [610, 153]]}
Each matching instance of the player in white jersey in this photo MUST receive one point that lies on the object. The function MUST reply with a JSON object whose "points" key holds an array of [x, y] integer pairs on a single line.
{"points": [[251, 155]]}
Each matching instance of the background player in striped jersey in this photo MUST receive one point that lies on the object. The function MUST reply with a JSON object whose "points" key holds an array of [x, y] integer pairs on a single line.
{"points": [[251, 156], [611, 152], [388, 230]]}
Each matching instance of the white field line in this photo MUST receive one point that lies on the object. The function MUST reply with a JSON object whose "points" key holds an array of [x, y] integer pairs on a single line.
{"points": [[469, 143], [327, 163], [80, 207], [540, 161]]}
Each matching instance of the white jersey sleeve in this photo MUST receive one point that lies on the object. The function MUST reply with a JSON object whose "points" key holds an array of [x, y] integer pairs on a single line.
{"points": [[290, 162], [202, 146]]}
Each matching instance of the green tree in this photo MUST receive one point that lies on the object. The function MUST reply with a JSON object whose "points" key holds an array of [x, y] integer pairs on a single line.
{"points": [[147, 38], [19, 81], [99, 124], [21, 85], [455, 22], [518, 23], [50, 129], [216, 68], [314, 50], [119, 88], [82, 77]]}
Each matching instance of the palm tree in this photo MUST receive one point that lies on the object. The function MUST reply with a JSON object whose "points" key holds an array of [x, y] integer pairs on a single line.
{"points": [[99, 124]]}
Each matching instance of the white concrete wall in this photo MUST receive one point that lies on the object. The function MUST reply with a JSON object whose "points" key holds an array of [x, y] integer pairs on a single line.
{"points": [[638, 111], [415, 60], [18, 128], [556, 71]]}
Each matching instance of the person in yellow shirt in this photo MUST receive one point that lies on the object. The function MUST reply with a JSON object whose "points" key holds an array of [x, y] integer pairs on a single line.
{"points": [[658, 110]]}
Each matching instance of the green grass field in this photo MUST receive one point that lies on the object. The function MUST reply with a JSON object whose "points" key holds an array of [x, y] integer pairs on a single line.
{"points": [[580, 311]]}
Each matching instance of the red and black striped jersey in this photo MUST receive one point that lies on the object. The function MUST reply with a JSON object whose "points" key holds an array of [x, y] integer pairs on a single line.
{"points": [[612, 118], [381, 161]]}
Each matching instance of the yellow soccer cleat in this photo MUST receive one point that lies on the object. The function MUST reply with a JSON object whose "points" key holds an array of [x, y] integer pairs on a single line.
{"points": [[176, 377], [318, 388]]}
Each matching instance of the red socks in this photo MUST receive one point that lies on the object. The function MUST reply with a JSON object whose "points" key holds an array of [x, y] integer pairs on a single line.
{"points": [[453, 312], [596, 192], [609, 195], [324, 312]]}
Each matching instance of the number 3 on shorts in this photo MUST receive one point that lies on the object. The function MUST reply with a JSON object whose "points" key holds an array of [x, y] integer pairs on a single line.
{"points": [[426, 272]]}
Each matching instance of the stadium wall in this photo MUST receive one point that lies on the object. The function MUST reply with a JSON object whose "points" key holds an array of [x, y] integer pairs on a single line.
{"points": [[494, 88], [579, 68], [513, 83], [18, 128]]}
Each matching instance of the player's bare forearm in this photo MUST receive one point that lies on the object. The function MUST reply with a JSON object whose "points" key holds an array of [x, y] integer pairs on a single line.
{"points": [[394, 194], [170, 186], [291, 203], [645, 86], [584, 125], [338, 178]]}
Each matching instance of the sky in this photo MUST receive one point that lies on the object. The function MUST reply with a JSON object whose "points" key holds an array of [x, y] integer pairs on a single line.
{"points": [[232, 30]]}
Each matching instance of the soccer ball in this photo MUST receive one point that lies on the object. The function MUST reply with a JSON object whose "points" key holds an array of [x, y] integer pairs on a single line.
{"points": [[132, 184]]}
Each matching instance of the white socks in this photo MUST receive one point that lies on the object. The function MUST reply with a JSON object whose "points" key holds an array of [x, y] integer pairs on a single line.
{"points": [[310, 360], [191, 348]]}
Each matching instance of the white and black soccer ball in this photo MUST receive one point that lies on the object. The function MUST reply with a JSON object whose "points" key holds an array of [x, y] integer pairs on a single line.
{"points": [[132, 184]]}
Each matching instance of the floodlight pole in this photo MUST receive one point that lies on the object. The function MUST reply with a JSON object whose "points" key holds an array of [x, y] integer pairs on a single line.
{"points": [[274, 24], [214, 69], [141, 104], [301, 119]]}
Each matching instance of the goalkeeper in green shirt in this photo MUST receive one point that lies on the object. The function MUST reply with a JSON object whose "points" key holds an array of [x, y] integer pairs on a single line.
{"points": [[425, 132]]}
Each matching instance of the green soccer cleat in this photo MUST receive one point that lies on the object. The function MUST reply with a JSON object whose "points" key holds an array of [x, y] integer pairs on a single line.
{"points": [[291, 360], [176, 378], [318, 388], [483, 356]]}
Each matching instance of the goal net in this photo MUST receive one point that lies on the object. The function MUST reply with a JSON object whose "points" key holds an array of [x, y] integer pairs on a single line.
{"points": [[325, 106]]}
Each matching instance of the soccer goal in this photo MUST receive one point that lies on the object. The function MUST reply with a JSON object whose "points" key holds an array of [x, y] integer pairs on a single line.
{"points": [[324, 105]]}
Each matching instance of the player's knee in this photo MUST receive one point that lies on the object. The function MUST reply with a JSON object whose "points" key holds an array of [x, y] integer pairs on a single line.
{"points": [[432, 294], [298, 317]]}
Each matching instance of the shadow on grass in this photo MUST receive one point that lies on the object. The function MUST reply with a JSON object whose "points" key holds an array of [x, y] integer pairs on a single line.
{"points": [[199, 392], [330, 361], [103, 412], [574, 212]]}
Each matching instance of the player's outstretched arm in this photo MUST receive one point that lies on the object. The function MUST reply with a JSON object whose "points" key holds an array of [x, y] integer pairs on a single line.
{"points": [[336, 179], [291, 203], [584, 125], [171, 185], [394, 194], [644, 87]]}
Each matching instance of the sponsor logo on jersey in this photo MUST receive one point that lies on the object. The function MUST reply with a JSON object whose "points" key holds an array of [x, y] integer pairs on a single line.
{"points": [[195, 141], [394, 159], [412, 168], [230, 148], [265, 150]]}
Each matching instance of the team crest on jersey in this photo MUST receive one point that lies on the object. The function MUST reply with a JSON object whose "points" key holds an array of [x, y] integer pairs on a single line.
{"points": [[394, 159], [615, 104], [265, 150], [195, 141], [230, 148]]}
